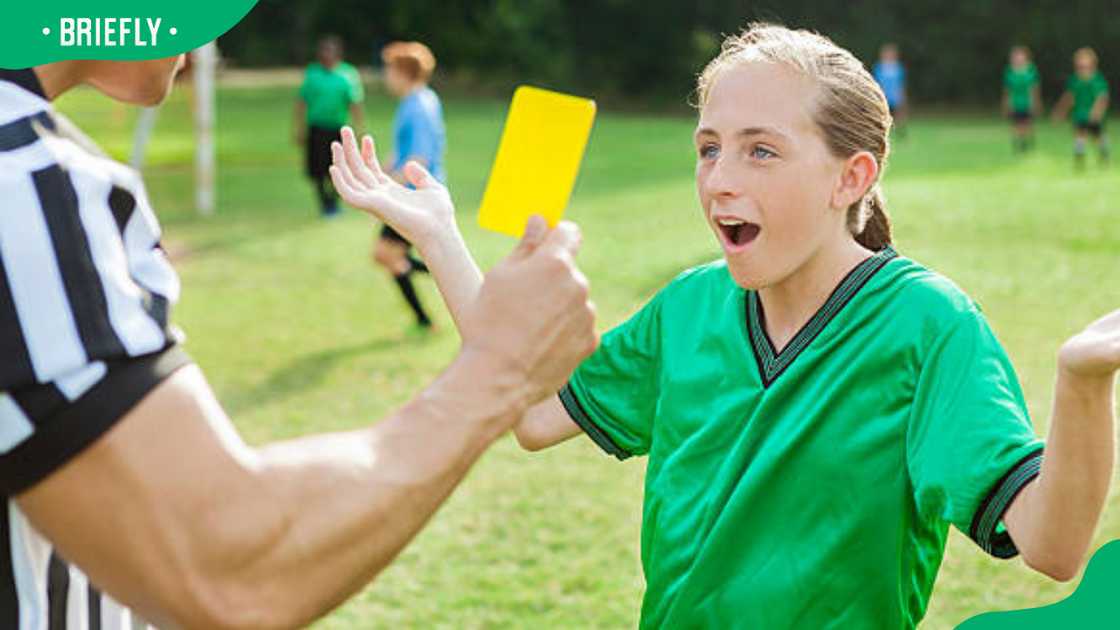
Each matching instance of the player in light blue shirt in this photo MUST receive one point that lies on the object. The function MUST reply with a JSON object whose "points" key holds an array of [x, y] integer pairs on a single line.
{"points": [[419, 136], [890, 74]]}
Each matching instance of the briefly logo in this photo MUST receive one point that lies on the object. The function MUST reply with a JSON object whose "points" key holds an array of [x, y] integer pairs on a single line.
{"points": [[85, 32], [45, 31]]}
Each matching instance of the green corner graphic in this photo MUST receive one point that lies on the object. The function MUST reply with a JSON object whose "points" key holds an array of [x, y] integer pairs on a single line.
{"points": [[34, 33], [1092, 605]]}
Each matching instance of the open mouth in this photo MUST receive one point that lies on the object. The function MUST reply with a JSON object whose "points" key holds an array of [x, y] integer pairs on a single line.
{"points": [[737, 232]]}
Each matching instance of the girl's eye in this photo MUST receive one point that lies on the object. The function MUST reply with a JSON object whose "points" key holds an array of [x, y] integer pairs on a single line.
{"points": [[709, 151], [762, 153]]}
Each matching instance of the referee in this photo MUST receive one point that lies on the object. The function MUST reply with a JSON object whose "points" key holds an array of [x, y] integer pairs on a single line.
{"points": [[114, 454]]}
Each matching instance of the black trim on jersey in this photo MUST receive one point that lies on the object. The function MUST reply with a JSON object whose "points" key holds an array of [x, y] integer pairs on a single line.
{"points": [[75, 261], [39, 402], [26, 79], [579, 415], [70, 430], [985, 522], [93, 601], [58, 592], [9, 596], [772, 364], [13, 347]]}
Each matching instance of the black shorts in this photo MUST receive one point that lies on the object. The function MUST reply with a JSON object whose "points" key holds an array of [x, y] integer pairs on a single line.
{"points": [[59, 429], [1094, 129], [319, 141], [1021, 116], [390, 234]]}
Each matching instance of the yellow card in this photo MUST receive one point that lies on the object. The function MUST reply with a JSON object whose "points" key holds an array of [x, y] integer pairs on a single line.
{"points": [[538, 159]]}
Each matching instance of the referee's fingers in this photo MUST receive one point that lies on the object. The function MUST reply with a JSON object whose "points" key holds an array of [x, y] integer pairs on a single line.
{"points": [[566, 237]]}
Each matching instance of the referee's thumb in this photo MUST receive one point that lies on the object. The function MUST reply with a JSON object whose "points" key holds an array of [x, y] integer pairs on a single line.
{"points": [[535, 231]]}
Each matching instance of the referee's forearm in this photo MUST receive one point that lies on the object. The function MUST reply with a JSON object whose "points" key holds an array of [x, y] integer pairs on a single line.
{"points": [[348, 503]]}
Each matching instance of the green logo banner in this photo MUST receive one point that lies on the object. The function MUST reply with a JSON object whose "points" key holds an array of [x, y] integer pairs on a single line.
{"points": [[1092, 605], [34, 33]]}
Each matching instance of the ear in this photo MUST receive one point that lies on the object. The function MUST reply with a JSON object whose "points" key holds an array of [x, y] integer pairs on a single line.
{"points": [[856, 177]]}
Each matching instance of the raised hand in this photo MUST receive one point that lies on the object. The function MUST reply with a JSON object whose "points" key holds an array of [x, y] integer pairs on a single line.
{"points": [[419, 214], [1095, 351]]}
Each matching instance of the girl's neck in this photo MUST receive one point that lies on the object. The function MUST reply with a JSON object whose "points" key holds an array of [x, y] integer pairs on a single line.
{"points": [[791, 303]]}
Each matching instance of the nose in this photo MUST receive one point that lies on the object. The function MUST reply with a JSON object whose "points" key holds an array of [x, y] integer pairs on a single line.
{"points": [[721, 181]]}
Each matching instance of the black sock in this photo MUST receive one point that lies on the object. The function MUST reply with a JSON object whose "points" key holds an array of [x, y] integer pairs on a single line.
{"points": [[409, 293], [324, 190], [417, 264]]}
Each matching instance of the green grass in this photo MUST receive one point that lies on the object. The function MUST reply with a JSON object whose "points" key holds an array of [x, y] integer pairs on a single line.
{"points": [[298, 333]]}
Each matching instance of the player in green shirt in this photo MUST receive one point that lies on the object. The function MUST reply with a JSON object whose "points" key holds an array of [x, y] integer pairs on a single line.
{"points": [[1086, 96], [816, 409], [330, 98], [1021, 97]]}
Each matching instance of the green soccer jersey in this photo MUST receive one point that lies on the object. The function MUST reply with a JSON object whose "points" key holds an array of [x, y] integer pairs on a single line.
{"points": [[329, 94], [1020, 82], [810, 487], [1085, 93]]}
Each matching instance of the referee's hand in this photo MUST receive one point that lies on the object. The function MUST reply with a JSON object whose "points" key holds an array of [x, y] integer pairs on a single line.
{"points": [[533, 316]]}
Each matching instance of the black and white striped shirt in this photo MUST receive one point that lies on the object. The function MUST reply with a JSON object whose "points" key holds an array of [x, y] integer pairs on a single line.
{"points": [[84, 286]]}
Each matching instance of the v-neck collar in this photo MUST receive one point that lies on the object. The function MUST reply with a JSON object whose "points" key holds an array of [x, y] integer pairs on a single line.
{"points": [[771, 364]]}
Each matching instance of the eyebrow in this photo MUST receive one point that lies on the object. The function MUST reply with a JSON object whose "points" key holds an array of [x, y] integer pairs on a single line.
{"points": [[745, 132]]}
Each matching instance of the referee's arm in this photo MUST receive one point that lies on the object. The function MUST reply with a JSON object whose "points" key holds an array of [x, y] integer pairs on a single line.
{"points": [[172, 514]]}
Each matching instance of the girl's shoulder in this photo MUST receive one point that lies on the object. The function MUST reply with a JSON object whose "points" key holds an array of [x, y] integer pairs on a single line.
{"points": [[924, 294], [708, 275]]}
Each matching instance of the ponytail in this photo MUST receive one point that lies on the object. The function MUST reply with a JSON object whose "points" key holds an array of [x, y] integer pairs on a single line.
{"points": [[869, 222]]}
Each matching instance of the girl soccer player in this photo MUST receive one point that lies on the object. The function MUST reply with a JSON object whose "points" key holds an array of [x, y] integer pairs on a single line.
{"points": [[1087, 96], [816, 408], [1021, 97]]}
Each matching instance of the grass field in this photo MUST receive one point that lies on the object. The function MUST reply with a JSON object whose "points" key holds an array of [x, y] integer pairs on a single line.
{"points": [[298, 333]]}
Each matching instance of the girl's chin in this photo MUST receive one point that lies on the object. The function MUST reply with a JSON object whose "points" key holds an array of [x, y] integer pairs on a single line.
{"points": [[748, 277]]}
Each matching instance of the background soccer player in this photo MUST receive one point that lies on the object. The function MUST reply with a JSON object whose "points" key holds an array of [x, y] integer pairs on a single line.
{"points": [[1022, 98], [114, 450], [330, 97], [816, 409], [890, 74], [1087, 96], [419, 136]]}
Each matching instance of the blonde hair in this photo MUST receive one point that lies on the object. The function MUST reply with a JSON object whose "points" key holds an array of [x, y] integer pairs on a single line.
{"points": [[1088, 53], [851, 111], [414, 59]]}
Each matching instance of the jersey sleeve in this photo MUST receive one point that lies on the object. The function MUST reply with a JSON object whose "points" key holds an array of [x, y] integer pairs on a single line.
{"points": [[305, 86], [970, 444], [613, 394], [357, 91]]}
